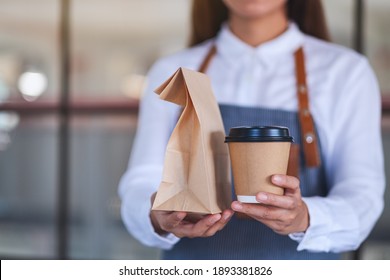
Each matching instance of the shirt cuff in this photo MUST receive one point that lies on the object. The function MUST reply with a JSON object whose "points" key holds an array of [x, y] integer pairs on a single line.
{"points": [[314, 238], [297, 236]]}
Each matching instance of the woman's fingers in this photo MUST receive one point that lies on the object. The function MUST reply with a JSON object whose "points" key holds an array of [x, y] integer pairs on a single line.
{"points": [[282, 213], [226, 216], [192, 230], [280, 220], [175, 222], [258, 211], [289, 183], [281, 201], [172, 220]]}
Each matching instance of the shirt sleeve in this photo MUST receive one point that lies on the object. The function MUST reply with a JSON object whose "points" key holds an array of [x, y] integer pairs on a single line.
{"points": [[156, 121], [342, 220]]}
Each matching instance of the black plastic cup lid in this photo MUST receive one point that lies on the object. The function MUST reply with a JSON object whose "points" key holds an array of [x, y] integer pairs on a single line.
{"points": [[259, 134]]}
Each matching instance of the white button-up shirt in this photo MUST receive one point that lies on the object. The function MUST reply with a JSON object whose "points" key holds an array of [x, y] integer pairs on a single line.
{"points": [[345, 104]]}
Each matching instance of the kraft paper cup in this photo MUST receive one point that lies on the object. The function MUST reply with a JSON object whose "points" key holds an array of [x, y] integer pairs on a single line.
{"points": [[257, 153]]}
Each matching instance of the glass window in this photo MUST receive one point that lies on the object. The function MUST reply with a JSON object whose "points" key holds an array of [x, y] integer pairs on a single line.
{"points": [[340, 20], [28, 180], [378, 40], [115, 42], [99, 155], [29, 67], [28, 142]]}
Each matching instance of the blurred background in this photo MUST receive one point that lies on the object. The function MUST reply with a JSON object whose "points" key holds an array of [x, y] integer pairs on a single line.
{"points": [[71, 75]]}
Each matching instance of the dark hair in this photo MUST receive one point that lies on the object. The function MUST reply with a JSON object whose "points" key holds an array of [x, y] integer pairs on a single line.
{"points": [[208, 15]]}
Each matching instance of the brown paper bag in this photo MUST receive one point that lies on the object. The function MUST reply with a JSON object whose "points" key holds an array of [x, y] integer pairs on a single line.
{"points": [[196, 176]]}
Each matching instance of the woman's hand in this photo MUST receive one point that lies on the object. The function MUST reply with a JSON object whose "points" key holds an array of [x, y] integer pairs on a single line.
{"points": [[182, 224], [284, 214]]}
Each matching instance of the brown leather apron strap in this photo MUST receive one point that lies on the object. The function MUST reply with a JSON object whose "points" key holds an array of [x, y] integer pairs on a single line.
{"points": [[206, 61], [309, 138]]}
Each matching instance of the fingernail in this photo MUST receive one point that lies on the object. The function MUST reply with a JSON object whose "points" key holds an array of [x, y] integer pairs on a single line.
{"points": [[181, 215], [226, 216], [236, 205], [215, 218], [262, 197], [277, 179]]}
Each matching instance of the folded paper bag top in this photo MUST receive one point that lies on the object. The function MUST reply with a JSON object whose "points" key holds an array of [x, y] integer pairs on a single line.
{"points": [[196, 175]]}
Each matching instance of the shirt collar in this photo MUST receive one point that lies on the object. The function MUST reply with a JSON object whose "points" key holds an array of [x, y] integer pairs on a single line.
{"points": [[233, 49]]}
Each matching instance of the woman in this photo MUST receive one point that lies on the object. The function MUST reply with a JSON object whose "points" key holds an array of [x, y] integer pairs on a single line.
{"points": [[266, 68]]}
